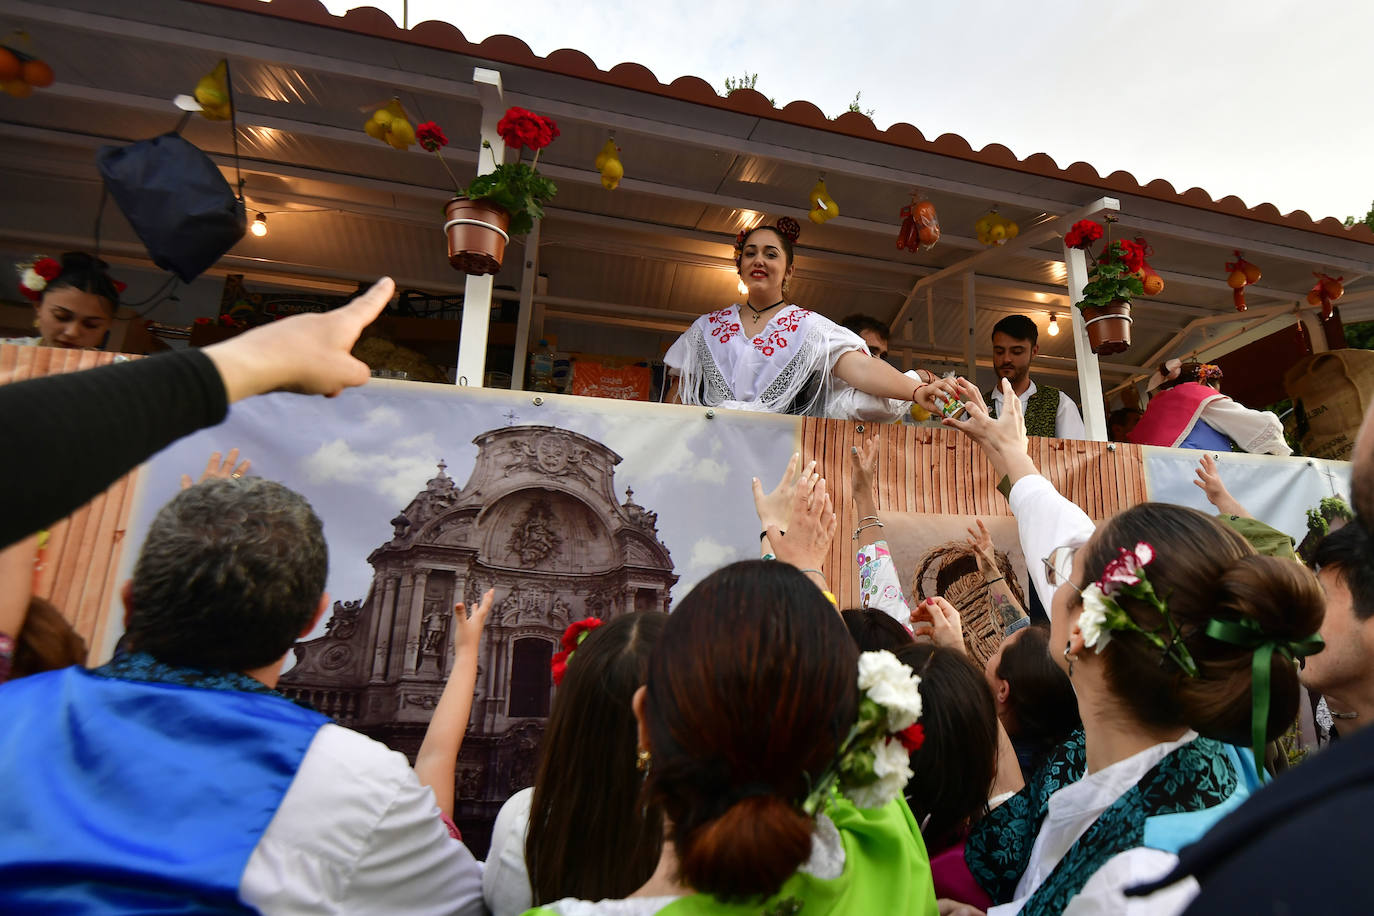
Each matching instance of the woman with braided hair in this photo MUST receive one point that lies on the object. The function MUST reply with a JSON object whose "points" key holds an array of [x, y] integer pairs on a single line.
{"points": [[766, 354]]}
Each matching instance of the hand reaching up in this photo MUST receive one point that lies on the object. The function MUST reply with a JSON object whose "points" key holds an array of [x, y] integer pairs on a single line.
{"points": [[217, 469], [863, 470], [775, 508], [807, 542], [1002, 439], [980, 541], [1209, 481], [939, 620]]}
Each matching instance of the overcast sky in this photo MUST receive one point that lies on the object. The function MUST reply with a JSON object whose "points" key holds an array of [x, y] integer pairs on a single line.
{"points": [[1268, 100]]}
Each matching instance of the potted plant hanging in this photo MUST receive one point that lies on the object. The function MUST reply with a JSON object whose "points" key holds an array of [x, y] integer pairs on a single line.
{"points": [[502, 203], [1115, 276]]}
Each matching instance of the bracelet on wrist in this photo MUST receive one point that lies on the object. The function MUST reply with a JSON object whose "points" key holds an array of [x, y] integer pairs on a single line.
{"points": [[862, 527], [990, 581], [764, 533]]}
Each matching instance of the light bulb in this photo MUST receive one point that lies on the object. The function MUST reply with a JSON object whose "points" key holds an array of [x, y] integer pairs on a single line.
{"points": [[1054, 325], [259, 227]]}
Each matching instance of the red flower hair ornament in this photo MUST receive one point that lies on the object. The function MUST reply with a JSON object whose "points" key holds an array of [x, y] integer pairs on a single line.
{"points": [[35, 277], [572, 638]]}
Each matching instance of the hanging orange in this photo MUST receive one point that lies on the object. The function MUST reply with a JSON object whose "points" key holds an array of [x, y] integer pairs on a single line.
{"points": [[924, 211], [37, 73], [10, 67], [17, 88]]}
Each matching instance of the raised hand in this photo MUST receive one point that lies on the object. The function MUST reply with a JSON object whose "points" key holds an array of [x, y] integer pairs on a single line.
{"points": [[1209, 480], [467, 628], [216, 469], [775, 508], [863, 469], [981, 543], [1002, 439], [807, 542], [939, 620]]}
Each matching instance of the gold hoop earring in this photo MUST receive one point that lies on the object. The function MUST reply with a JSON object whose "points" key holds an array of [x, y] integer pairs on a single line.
{"points": [[1069, 658], [643, 760]]}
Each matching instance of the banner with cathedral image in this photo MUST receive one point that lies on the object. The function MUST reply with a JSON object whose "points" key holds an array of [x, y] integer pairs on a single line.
{"points": [[573, 507]]}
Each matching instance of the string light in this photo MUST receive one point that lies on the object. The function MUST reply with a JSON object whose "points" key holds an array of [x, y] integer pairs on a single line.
{"points": [[1054, 325], [259, 227]]}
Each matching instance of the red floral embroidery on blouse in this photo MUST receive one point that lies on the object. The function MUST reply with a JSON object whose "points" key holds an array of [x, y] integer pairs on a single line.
{"points": [[723, 325], [779, 333]]}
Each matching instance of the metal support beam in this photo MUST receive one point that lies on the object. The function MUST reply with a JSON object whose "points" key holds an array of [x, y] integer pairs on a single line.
{"points": [[528, 277], [1089, 375], [472, 342], [970, 345]]}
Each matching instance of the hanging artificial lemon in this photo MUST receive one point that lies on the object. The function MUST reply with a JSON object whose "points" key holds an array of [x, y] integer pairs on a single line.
{"points": [[823, 206], [609, 165], [391, 125], [212, 92], [993, 228]]}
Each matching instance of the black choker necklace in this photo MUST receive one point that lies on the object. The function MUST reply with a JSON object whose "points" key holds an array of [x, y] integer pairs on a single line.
{"points": [[759, 312]]}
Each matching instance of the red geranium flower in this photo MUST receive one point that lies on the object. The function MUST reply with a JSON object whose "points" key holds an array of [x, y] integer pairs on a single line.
{"points": [[521, 128], [912, 738], [1083, 234], [1133, 254], [47, 268], [431, 137]]}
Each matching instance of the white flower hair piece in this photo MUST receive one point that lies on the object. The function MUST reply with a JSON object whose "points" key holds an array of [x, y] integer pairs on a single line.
{"points": [[1102, 614], [873, 764]]}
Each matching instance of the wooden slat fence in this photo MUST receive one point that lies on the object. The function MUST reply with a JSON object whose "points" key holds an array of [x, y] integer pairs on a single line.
{"points": [[81, 560]]}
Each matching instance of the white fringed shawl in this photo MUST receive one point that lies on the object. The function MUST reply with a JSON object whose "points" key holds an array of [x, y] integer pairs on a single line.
{"points": [[785, 369]]}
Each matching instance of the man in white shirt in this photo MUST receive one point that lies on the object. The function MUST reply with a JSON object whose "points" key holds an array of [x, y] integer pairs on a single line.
{"points": [[177, 777], [1049, 412]]}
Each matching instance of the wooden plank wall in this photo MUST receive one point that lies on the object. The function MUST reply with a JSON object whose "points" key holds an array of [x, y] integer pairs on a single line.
{"points": [[81, 561], [940, 471]]}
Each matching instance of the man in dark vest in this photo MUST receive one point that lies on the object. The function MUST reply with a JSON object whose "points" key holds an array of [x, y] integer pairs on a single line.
{"points": [[1049, 411]]}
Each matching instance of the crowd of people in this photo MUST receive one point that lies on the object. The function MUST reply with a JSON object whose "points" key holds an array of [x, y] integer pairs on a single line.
{"points": [[763, 748]]}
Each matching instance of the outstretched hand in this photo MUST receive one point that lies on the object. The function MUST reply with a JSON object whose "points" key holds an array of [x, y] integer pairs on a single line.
{"points": [[1209, 481], [467, 628], [807, 542], [775, 508], [940, 621], [307, 354], [1002, 439], [980, 540], [863, 468], [944, 388], [217, 469]]}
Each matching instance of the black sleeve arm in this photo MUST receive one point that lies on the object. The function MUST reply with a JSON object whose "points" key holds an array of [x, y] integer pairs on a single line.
{"points": [[70, 436]]}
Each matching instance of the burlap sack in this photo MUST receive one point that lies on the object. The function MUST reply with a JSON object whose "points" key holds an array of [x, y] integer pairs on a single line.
{"points": [[1331, 392]]}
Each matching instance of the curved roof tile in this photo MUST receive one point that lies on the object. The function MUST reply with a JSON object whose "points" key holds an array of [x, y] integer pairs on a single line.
{"points": [[510, 50]]}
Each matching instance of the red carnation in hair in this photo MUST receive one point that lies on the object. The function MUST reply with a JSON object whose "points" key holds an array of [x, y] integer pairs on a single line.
{"points": [[47, 268], [913, 737], [572, 638]]}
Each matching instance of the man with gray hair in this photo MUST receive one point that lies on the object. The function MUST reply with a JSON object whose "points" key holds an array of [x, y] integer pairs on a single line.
{"points": [[176, 776]]}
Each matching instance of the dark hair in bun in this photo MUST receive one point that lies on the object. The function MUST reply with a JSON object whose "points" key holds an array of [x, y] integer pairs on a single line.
{"points": [[88, 274], [1203, 569]]}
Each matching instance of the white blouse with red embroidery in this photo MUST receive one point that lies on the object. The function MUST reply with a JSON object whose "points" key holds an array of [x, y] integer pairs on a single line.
{"points": [[786, 368]]}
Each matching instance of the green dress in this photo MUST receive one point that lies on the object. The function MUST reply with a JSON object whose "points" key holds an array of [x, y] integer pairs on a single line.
{"points": [[886, 870]]}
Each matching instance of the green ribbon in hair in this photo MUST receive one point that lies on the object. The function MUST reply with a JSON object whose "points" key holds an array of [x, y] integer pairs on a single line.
{"points": [[1246, 633]]}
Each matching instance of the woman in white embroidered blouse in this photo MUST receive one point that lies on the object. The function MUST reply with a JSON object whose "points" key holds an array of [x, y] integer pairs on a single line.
{"points": [[1159, 649], [768, 355]]}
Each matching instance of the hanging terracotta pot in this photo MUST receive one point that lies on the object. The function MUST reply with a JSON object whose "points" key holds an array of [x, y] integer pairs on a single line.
{"points": [[1109, 327], [476, 231]]}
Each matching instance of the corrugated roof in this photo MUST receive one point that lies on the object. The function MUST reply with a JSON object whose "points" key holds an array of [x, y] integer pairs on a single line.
{"points": [[566, 62]]}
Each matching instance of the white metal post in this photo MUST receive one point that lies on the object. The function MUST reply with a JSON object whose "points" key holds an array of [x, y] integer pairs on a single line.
{"points": [[1089, 375], [472, 342], [528, 276], [971, 345]]}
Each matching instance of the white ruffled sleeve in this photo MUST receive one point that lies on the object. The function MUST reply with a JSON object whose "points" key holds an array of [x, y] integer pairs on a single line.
{"points": [[1259, 432]]}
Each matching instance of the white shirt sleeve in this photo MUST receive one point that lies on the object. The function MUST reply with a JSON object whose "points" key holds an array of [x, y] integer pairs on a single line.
{"points": [[357, 833], [1067, 422], [1045, 520], [879, 585], [1104, 895], [679, 352], [505, 877], [1259, 432]]}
